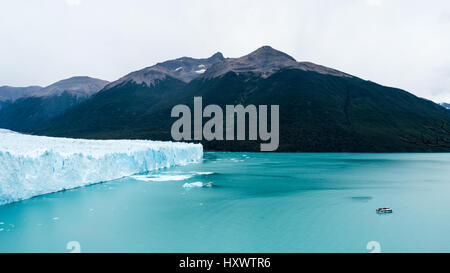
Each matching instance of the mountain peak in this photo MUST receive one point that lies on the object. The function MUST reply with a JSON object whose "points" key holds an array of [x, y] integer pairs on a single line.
{"points": [[217, 56], [266, 61], [184, 69], [267, 52], [80, 86]]}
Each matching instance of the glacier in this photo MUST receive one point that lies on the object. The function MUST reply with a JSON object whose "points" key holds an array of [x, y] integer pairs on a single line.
{"points": [[34, 165]]}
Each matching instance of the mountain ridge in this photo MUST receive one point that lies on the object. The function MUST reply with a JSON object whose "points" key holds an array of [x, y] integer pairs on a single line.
{"points": [[266, 61], [184, 69], [321, 109], [12, 93], [30, 112], [79, 86], [445, 105]]}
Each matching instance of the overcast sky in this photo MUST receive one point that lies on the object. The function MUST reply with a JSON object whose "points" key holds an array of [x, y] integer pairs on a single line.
{"points": [[398, 43]]}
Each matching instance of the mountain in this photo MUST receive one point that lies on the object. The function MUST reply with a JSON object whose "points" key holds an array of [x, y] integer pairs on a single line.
{"points": [[184, 69], [321, 109], [123, 104], [9, 94], [445, 105], [265, 61], [80, 87], [33, 110]]}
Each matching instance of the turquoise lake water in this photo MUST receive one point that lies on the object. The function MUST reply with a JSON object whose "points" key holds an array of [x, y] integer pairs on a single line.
{"points": [[259, 203]]}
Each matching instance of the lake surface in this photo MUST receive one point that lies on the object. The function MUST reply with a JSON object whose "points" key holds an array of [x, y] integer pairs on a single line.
{"points": [[259, 203]]}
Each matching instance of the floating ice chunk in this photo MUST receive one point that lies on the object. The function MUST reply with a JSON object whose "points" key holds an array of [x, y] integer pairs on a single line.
{"points": [[236, 160], [203, 173], [197, 185], [193, 185], [159, 178], [34, 165]]}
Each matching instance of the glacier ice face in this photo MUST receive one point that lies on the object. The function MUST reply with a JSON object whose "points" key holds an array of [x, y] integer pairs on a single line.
{"points": [[35, 165]]}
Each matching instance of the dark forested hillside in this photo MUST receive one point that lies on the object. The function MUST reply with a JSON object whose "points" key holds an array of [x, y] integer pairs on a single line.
{"points": [[318, 112]]}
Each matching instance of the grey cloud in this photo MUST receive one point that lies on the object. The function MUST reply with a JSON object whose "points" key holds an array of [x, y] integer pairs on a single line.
{"points": [[398, 43]]}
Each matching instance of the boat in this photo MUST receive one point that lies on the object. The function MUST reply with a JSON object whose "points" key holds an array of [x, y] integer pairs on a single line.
{"points": [[384, 210]]}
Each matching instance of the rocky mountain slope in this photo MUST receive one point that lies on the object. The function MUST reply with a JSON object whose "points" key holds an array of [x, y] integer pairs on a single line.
{"points": [[321, 109], [32, 111]]}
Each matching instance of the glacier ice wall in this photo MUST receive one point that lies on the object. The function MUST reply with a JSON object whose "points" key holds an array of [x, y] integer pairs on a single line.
{"points": [[35, 165]]}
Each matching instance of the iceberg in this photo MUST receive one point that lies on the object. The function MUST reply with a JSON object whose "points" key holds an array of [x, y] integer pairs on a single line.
{"points": [[193, 185], [197, 185], [35, 165], [159, 178]]}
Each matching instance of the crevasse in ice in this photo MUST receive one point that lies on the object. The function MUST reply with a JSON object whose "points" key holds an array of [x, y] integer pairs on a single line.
{"points": [[34, 165]]}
